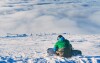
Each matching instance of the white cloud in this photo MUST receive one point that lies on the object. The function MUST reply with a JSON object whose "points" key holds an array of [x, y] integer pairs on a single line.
{"points": [[48, 18], [95, 18]]}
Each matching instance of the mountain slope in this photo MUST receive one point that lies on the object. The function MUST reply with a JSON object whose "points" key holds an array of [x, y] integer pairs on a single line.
{"points": [[33, 49]]}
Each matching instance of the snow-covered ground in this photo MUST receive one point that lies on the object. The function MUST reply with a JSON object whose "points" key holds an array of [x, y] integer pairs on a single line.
{"points": [[78, 17], [32, 49]]}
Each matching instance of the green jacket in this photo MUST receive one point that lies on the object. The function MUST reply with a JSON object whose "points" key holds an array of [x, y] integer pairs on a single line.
{"points": [[62, 44]]}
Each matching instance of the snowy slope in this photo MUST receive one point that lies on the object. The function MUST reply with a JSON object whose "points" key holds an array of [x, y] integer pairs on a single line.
{"points": [[27, 16], [32, 49]]}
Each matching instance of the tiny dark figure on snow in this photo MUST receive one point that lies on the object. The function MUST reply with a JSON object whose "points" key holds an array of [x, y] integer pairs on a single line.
{"points": [[63, 47]]}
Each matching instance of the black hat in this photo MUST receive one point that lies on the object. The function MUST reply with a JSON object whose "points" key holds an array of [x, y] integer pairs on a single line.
{"points": [[60, 36]]}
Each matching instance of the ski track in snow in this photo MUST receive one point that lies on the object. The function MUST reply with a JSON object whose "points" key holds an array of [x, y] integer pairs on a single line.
{"points": [[32, 49]]}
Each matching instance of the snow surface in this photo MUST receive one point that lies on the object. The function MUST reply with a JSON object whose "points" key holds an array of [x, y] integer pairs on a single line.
{"points": [[32, 49], [29, 16]]}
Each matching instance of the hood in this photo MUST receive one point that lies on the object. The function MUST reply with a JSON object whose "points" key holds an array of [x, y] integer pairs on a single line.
{"points": [[61, 39]]}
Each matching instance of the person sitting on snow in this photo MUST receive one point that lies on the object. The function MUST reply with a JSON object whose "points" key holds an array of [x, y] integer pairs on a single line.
{"points": [[63, 47]]}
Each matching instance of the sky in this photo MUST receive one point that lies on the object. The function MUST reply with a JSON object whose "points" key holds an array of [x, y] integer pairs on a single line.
{"points": [[28, 17]]}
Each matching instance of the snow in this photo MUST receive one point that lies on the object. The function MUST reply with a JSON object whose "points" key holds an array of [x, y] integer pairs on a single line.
{"points": [[33, 49], [79, 18]]}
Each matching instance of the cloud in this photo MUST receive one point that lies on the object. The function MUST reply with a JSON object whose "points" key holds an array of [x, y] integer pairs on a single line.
{"points": [[27, 22], [95, 18], [71, 18]]}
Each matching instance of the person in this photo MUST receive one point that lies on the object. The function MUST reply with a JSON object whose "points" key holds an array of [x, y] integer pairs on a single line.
{"points": [[63, 47]]}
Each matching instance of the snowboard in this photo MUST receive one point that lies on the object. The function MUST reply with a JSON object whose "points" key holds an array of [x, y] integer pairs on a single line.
{"points": [[51, 52]]}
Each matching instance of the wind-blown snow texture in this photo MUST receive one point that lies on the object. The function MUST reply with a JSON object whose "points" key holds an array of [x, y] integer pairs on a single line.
{"points": [[28, 16], [32, 49]]}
